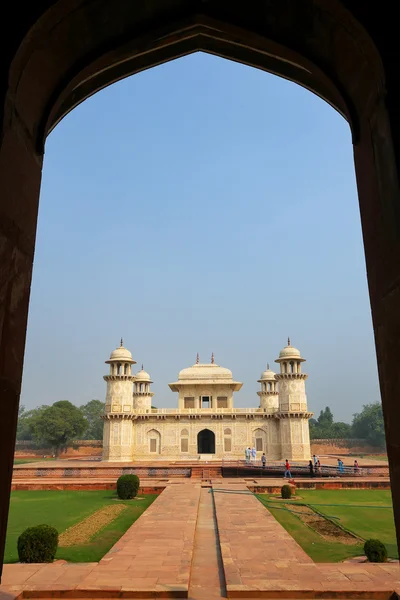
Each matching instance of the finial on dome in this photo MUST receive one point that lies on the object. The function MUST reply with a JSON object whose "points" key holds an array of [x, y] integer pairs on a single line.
{"points": [[288, 341], [267, 366], [212, 358], [122, 343], [197, 359], [142, 367]]}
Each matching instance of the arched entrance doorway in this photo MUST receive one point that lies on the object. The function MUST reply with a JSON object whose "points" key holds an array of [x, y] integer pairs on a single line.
{"points": [[206, 442]]}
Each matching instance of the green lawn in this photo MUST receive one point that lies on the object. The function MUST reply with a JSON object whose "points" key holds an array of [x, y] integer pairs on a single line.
{"points": [[367, 513], [61, 509]]}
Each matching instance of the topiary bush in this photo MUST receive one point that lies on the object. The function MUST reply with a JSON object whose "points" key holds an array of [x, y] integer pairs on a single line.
{"points": [[286, 492], [127, 486], [38, 544], [375, 551]]}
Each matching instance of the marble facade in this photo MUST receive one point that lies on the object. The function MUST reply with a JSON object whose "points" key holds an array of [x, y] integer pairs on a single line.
{"points": [[205, 424]]}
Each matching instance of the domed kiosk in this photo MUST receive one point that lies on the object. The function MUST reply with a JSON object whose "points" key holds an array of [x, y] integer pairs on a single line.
{"points": [[205, 386]]}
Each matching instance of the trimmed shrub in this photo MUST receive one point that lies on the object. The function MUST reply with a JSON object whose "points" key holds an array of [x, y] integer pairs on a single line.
{"points": [[127, 486], [375, 551], [286, 492], [38, 544]]}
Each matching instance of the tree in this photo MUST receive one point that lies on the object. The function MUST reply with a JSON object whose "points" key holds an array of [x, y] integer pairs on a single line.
{"points": [[322, 428], [326, 428], [59, 424], [325, 418], [26, 422], [313, 424], [341, 430], [92, 412], [368, 425]]}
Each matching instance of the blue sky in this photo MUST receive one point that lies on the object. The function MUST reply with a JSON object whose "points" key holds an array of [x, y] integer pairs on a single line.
{"points": [[200, 206]]}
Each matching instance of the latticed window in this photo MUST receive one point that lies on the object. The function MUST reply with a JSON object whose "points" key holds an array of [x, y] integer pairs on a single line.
{"points": [[189, 402], [228, 444], [222, 402], [259, 444]]}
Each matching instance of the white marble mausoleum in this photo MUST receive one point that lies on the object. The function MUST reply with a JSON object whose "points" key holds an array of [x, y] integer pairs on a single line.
{"points": [[205, 424]]}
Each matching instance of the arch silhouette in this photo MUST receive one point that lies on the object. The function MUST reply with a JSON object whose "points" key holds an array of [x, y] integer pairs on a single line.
{"points": [[345, 53]]}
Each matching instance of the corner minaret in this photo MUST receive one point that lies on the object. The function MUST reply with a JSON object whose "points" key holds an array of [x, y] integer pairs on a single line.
{"points": [[293, 414], [141, 393], [117, 432], [269, 398]]}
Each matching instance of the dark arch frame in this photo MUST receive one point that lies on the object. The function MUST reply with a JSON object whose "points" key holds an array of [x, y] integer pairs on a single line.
{"points": [[206, 441], [59, 53]]}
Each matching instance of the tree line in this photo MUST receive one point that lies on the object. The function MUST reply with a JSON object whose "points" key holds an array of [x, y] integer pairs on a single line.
{"points": [[56, 426], [366, 425]]}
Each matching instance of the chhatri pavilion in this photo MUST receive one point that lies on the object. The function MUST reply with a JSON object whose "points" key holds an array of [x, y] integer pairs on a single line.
{"points": [[205, 424]]}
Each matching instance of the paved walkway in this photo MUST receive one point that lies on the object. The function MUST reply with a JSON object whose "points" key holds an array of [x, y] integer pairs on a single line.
{"points": [[202, 543], [260, 558], [153, 556]]}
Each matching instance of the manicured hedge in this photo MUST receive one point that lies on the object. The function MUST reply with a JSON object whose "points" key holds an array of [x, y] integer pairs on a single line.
{"points": [[38, 544], [127, 486], [286, 492], [375, 551]]}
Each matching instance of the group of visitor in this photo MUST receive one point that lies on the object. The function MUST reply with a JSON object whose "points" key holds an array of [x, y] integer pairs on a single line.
{"points": [[340, 466], [314, 466], [250, 455]]}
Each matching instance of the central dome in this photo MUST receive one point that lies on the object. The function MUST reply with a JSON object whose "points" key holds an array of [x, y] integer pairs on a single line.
{"points": [[205, 371], [200, 375]]}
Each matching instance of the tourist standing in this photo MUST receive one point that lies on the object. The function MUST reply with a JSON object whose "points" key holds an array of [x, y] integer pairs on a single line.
{"points": [[311, 468], [340, 466], [287, 469], [247, 453], [253, 454], [263, 460], [318, 469], [315, 459], [356, 467]]}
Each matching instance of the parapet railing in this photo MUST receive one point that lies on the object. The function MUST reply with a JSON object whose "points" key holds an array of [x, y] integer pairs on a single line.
{"points": [[185, 411], [297, 469]]}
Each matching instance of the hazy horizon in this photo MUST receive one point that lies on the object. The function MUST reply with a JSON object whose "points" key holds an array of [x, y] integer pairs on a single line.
{"points": [[200, 206]]}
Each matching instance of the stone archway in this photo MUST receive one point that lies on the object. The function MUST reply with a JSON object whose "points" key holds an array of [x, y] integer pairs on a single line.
{"points": [[154, 441], [260, 440], [59, 53], [206, 442]]}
